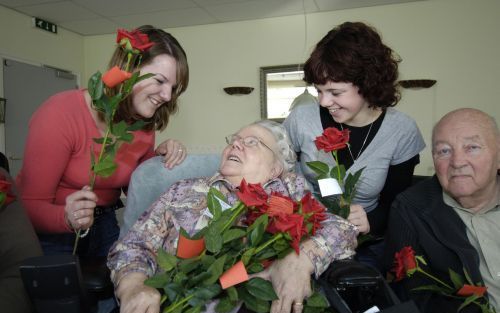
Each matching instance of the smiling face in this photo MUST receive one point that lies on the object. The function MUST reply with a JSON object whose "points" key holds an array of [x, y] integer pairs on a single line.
{"points": [[256, 164], [466, 157], [149, 94], [344, 103]]}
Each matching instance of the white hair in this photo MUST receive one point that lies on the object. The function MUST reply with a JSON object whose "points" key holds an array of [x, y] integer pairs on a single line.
{"points": [[285, 152]]}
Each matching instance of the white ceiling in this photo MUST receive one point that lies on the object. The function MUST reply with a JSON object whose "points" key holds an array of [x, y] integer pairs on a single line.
{"points": [[96, 17]]}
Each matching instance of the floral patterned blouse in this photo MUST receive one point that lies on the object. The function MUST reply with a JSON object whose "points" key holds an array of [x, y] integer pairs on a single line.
{"points": [[182, 206]]}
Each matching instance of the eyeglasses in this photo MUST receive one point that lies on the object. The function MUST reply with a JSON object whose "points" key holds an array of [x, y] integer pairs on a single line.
{"points": [[249, 141]]}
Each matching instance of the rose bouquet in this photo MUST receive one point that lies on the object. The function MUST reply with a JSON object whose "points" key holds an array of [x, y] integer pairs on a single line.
{"points": [[331, 141], [407, 264], [238, 241], [107, 91]]}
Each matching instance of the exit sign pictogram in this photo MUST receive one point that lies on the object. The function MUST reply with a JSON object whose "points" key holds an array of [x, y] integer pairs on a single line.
{"points": [[45, 25]]}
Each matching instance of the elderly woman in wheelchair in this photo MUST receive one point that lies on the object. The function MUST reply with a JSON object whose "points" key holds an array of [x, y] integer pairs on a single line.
{"points": [[258, 153]]}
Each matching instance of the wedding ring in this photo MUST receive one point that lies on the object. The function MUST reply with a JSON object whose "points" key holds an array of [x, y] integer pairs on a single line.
{"points": [[180, 150], [298, 303]]}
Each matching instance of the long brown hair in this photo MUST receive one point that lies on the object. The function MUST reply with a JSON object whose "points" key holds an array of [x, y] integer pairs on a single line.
{"points": [[164, 43]]}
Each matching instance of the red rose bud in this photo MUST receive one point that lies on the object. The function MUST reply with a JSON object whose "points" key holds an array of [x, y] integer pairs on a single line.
{"points": [[115, 76], [404, 263], [233, 276], [136, 39], [279, 204], [469, 290], [332, 139]]}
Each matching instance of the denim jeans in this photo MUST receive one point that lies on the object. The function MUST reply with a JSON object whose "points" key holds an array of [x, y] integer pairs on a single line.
{"points": [[103, 233]]}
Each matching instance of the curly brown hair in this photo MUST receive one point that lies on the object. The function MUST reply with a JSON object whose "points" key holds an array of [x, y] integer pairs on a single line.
{"points": [[164, 43], [353, 52]]}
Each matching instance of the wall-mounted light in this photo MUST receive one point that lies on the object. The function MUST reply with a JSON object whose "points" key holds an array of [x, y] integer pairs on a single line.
{"points": [[417, 83], [238, 90]]}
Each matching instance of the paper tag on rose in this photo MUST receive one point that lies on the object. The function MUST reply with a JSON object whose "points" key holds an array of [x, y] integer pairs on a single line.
{"points": [[329, 187], [223, 205]]}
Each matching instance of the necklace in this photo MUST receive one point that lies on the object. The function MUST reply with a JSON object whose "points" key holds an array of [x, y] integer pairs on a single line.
{"points": [[362, 146]]}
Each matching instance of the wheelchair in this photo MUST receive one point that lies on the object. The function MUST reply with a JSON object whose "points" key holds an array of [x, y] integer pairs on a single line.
{"points": [[354, 287]]}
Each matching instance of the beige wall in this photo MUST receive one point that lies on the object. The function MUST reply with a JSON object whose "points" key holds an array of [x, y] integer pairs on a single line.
{"points": [[22, 42], [455, 42]]}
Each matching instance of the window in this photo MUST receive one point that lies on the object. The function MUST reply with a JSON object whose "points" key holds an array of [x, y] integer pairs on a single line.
{"points": [[279, 87]]}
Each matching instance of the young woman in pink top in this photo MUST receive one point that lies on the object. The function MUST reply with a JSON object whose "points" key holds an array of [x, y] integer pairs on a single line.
{"points": [[55, 173]]}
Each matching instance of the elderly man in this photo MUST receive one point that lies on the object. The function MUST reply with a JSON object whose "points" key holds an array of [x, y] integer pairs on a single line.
{"points": [[453, 220]]}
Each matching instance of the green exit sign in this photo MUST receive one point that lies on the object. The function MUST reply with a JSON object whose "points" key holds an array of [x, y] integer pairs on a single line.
{"points": [[45, 25]]}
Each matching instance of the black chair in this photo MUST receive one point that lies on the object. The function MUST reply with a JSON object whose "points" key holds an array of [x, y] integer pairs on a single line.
{"points": [[66, 284], [352, 287]]}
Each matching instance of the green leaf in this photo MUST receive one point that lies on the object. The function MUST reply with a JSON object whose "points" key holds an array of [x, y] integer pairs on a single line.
{"points": [[255, 268], [105, 168], [232, 293], [350, 183], [157, 281], [187, 265], [344, 211], [232, 234], [433, 288], [166, 261], [213, 204], [258, 232], [456, 279], [252, 303], [247, 255], [198, 278], [196, 309], [467, 301], [207, 292], [225, 305], [334, 173], [129, 83], [215, 270], [317, 300], [96, 86], [467, 277], [172, 291], [318, 167], [263, 219], [213, 239], [261, 289], [136, 126]]}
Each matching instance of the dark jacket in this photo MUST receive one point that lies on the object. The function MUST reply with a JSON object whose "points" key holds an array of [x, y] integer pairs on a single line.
{"points": [[419, 218]]}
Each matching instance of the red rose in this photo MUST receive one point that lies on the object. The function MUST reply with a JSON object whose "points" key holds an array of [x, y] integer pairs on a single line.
{"points": [[291, 224], [404, 263], [115, 76], [332, 139], [314, 212], [5, 195], [136, 39], [252, 194], [469, 290]]}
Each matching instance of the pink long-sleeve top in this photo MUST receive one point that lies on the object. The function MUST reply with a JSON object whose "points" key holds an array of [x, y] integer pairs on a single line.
{"points": [[57, 160]]}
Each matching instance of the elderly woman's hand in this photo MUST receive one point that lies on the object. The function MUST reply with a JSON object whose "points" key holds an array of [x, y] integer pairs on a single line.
{"points": [[135, 297], [79, 208], [358, 217], [291, 279], [173, 152]]}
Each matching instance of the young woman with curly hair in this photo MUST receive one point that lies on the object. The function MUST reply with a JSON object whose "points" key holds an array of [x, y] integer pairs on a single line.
{"points": [[356, 74]]}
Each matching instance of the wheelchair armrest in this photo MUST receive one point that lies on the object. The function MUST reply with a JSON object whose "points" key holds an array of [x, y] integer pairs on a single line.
{"points": [[350, 272], [96, 279]]}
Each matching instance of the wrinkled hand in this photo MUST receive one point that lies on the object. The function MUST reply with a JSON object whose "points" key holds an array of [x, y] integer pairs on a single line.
{"points": [[135, 297], [79, 208], [173, 152], [358, 217], [291, 279]]}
